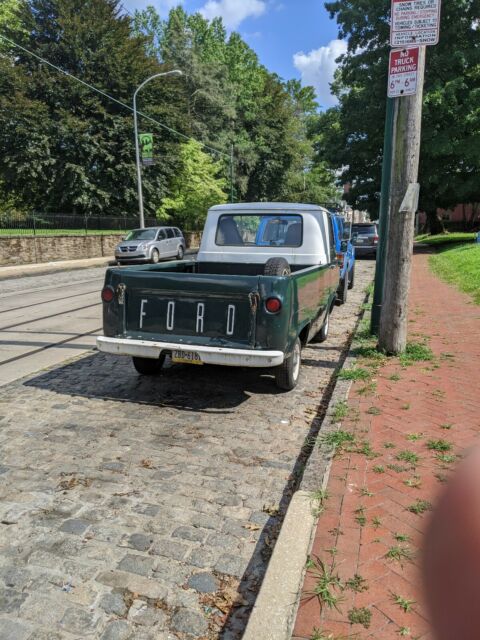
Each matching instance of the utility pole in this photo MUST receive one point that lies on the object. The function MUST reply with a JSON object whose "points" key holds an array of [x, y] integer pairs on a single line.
{"points": [[403, 206]]}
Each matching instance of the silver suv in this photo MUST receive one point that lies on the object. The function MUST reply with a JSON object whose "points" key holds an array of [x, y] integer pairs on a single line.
{"points": [[151, 245], [365, 238]]}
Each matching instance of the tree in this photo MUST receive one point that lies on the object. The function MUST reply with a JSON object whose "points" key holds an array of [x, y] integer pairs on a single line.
{"points": [[351, 135], [196, 187], [67, 148]]}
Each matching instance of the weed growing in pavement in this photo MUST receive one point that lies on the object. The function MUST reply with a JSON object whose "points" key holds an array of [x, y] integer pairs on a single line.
{"points": [[328, 583], [368, 390], [415, 352], [441, 477], [447, 356], [374, 411], [405, 407], [337, 439], [327, 635], [447, 426], [319, 498], [404, 603], [419, 507], [413, 437], [376, 522], [397, 468], [394, 377], [365, 449], [446, 458], [439, 445], [333, 551], [361, 616], [438, 393], [378, 468], [402, 537], [340, 411], [365, 492], [415, 482], [357, 584], [408, 456], [399, 553], [389, 445], [404, 631], [361, 518], [356, 373]]}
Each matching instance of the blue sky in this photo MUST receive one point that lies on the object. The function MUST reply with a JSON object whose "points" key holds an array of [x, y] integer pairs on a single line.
{"points": [[294, 38]]}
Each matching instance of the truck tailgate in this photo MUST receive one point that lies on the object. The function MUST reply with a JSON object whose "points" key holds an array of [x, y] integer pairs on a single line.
{"points": [[199, 309]]}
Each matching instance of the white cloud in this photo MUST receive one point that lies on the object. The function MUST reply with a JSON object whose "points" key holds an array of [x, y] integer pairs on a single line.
{"points": [[318, 67], [233, 12]]}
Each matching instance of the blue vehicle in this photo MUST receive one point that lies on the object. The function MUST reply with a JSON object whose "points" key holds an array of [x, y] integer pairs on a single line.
{"points": [[346, 252]]}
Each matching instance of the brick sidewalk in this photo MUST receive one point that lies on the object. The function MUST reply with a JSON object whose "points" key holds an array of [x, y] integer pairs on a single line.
{"points": [[409, 422]]}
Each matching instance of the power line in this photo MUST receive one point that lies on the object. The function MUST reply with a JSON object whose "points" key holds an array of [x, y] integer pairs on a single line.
{"points": [[106, 95]]}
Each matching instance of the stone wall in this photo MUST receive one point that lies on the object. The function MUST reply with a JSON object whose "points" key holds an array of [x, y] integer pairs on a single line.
{"points": [[31, 249]]}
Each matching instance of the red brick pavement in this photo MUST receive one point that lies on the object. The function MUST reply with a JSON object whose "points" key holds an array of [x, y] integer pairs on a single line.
{"points": [[367, 508]]}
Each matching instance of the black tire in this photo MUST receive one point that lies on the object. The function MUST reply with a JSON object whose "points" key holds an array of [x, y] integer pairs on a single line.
{"points": [[351, 278], [148, 366], [322, 335], [181, 253], [342, 292], [155, 257], [288, 373], [277, 267]]}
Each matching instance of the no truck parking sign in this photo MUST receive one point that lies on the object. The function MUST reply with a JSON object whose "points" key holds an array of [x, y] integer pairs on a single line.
{"points": [[415, 22], [403, 72]]}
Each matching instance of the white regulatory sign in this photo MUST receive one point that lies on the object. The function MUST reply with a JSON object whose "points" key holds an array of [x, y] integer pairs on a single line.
{"points": [[415, 22], [403, 72]]}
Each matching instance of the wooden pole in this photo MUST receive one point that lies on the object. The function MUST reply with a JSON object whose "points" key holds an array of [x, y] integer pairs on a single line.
{"points": [[406, 157]]}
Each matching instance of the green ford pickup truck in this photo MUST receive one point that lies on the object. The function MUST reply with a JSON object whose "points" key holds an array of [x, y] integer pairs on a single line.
{"points": [[263, 285]]}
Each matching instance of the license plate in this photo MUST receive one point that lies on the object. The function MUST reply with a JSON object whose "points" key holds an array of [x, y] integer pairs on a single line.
{"points": [[186, 357]]}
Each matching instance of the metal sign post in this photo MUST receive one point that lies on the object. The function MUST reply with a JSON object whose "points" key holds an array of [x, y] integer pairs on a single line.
{"points": [[414, 23]]}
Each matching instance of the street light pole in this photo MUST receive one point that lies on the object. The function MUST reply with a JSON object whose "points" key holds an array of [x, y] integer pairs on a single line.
{"points": [[175, 72]]}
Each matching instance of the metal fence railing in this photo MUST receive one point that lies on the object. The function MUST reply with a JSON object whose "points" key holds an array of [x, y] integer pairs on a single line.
{"points": [[40, 224]]}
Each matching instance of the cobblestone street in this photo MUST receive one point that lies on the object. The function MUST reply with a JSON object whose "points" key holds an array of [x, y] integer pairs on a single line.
{"points": [[147, 508]]}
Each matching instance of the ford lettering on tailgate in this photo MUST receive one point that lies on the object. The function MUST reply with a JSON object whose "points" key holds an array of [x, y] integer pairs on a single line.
{"points": [[216, 317]]}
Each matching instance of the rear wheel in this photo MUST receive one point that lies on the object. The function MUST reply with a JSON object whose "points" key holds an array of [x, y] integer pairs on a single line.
{"points": [[351, 278], [277, 267], [155, 258], [323, 333], [288, 373], [148, 366], [181, 253], [343, 291]]}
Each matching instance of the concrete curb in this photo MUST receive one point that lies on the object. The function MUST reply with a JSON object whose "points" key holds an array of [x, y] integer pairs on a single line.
{"points": [[274, 613], [44, 268]]}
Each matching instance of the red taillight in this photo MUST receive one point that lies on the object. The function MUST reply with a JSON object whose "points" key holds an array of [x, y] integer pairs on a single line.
{"points": [[108, 294], [375, 240], [340, 259], [273, 305]]}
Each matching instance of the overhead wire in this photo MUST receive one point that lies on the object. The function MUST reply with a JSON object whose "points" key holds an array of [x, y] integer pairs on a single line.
{"points": [[112, 98]]}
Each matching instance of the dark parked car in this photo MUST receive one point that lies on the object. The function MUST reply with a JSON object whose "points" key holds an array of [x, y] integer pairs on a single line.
{"points": [[151, 245], [365, 238]]}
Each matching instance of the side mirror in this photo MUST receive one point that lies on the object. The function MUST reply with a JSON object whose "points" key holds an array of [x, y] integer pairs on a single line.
{"points": [[344, 246]]}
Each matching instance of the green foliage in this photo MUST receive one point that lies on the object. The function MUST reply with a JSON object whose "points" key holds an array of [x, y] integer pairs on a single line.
{"points": [[361, 616], [445, 238], [460, 266], [196, 187], [416, 352], [350, 136], [64, 148]]}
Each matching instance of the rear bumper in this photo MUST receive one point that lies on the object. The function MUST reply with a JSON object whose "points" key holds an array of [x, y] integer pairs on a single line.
{"points": [[365, 251], [209, 355]]}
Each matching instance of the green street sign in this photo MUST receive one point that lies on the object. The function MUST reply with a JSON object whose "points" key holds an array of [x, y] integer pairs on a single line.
{"points": [[146, 146]]}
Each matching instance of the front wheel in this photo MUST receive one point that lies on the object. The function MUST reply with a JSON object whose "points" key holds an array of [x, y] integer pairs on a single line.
{"points": [[155, 257], [181, 253], [288, 373], [148, 366]]}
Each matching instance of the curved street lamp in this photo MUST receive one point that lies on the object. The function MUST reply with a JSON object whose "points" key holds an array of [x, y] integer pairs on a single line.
{"points": [[175, 72]]}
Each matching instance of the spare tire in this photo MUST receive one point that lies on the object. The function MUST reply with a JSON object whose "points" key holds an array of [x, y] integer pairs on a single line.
{"points": [[277, 267]]}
